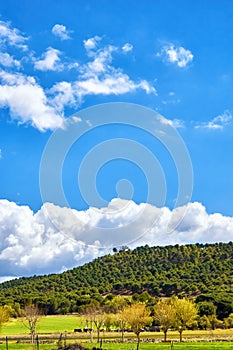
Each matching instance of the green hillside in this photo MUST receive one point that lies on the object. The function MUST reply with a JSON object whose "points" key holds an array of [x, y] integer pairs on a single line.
{"points": [[199, 270]]}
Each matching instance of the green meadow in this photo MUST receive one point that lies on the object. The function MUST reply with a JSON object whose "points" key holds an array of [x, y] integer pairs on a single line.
{"points": [[50, 328]]}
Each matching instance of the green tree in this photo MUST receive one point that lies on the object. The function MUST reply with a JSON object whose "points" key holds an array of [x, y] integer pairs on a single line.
{"points": [[164, 314], [185, 314]]}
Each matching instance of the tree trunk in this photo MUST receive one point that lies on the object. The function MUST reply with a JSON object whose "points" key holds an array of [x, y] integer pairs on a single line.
{"points": [[122, 335], [165, 335], [138, 336], [98, 335], [181, 331], [91, 336]]}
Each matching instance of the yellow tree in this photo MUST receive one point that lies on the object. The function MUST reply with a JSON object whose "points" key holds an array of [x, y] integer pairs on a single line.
{"points": [[137, 317], [185, 314], [164, 314], [4, 315]]}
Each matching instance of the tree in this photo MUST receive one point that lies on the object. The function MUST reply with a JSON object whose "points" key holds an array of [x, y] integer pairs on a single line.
{"points": [[95, 315], [136, 316], [185, 314], [164, 314], [32, 315], [4, 315]]}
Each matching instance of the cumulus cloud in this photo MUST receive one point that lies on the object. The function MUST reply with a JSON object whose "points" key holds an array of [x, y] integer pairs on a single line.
{"points": [[127, 47], [177, 55], [61, 32], [12, 36], [30, 102], [217, 123], [56, 238], [27, 101], [7, 60], [91, 43], [50, 60]]}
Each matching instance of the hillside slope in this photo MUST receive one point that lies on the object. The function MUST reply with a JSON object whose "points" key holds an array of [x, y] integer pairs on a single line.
{"points": [[161, 271]]}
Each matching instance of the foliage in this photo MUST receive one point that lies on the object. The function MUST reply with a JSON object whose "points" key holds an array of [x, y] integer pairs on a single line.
{"points": [[137, 317], [164, 314], [185, 314], [4, 315], [198, 270]]}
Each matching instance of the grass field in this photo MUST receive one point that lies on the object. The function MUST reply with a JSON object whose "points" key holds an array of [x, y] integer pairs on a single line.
{"points": [[131, 346], [50, 327]]}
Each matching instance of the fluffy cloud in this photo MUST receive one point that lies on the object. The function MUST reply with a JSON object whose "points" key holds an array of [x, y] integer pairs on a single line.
{"points": [[61, 32], [217, 123], [91, 43], [12, 36], [7, 60], [27, 101], [177, 55], [55, 238], [50, 61], [44, 108]]}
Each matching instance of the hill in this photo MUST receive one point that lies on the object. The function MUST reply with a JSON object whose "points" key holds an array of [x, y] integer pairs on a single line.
{"points": [[203, 270]]}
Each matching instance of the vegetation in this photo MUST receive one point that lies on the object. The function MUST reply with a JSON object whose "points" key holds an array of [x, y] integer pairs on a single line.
{"points": [[137, 317], [199, 271]]}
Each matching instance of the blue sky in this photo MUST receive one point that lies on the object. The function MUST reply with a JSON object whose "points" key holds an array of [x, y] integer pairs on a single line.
{"points": [[60, 57]]}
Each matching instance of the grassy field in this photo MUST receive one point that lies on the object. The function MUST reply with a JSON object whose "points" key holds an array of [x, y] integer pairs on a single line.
{"points": [[50, 327], [131, 346]]}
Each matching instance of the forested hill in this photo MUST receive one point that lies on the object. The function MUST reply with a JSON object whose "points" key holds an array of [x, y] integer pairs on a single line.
{"points": [[161, 271]]}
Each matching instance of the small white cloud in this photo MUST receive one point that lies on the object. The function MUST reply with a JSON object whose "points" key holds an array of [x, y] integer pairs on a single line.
{"points": [[217, 123], [50, 61], [177, 55], [27, 101], [61, 32], [7, 60], [91, 43], [127, 47], [12, 36], [175, 123], [0, 154]]}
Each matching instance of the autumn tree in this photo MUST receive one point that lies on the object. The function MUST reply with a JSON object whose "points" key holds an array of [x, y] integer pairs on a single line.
{"points": [[185, 314], [164, 314], [32, 315], [4, 315], [137, 317]]}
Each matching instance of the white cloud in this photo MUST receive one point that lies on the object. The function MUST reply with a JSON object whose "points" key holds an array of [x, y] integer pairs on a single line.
{"points": [[61, 32], [50, 61], [177, 55], [176, 123], [99, 76], [57, 238], [12, 36], [27, 101], [7, 60], [127, 47], [0, 154], [91, 43], [217, 123]]}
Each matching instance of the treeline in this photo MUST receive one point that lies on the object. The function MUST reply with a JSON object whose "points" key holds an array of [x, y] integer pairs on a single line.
{"points": [[202, 271]]}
